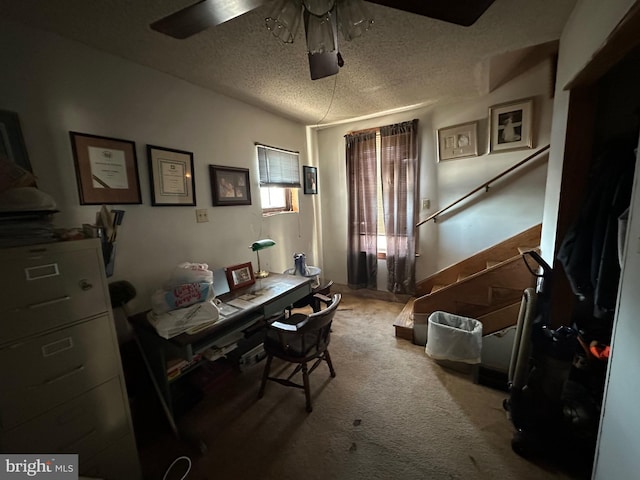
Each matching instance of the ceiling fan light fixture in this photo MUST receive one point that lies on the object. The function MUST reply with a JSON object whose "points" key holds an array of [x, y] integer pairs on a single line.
{"points": [[320, 33], [319, 7], [353, 18], [285, 20]]}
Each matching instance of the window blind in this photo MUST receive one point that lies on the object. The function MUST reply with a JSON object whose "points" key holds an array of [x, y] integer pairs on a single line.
{"points": [[278, 168]]}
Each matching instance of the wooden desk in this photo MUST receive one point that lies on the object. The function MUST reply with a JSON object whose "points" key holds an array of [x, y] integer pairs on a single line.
{"points": [[270, 296]]}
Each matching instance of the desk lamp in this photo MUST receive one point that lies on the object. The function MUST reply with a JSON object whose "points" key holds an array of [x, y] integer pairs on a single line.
{"points": [[256, 247]]}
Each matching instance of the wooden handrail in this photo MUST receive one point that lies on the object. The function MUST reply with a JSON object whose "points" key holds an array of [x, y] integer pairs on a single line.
{"points": [[485, 186]]}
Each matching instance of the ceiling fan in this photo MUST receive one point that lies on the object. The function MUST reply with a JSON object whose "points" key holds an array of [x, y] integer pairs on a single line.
{"points": [[325, 59]]}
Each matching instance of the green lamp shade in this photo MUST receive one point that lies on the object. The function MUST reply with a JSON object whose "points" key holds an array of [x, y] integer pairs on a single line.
{"points": [[262, 244]]}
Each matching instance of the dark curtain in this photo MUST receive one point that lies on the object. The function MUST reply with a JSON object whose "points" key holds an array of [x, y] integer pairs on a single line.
{"points": [[399, 163], [363, 228]]}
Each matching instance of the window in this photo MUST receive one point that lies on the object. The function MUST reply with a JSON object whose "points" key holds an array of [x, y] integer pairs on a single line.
{"points": [[279, 179], [381, 185], [382, 235]]}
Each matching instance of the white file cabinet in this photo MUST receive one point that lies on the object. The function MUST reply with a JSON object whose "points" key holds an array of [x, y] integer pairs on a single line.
{"points": [[62, 386]]}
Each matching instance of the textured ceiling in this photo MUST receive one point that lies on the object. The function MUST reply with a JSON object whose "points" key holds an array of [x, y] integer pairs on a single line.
{"points": [[403, 60]]}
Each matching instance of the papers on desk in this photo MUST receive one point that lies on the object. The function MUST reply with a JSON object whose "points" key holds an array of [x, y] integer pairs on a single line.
{"points": [[226, 309], [189, 319], [240, 303]]}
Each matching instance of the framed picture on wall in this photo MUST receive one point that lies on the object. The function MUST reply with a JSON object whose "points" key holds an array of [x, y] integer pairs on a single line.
{"points": [[106, 169], [458, 141], [510, 126], [171, 177], [229, 185], [310, 180]]}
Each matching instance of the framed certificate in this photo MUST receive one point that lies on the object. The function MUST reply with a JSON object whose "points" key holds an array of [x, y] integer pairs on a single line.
{"points": [[106, 169], [171, 177]]}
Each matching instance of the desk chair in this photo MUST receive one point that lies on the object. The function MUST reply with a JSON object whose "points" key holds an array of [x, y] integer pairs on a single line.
{"points": [[299, 339]]}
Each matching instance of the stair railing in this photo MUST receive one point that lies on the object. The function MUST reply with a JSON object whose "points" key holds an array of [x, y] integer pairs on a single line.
{"points": [[484, 186]]}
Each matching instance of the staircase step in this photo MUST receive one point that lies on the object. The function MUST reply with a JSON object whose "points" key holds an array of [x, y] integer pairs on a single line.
{"points": [[462, 276], [492, 263], [522, 250], [500, 319], [438, 287], [404, 321]]}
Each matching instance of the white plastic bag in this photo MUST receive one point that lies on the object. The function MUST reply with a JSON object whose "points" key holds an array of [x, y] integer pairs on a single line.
{"points": [[181, 296], [455, 338], [190, 273], [182, 320]]}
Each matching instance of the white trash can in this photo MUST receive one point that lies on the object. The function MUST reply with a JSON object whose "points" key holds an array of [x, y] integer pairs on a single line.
{"points": [[454, 338]]}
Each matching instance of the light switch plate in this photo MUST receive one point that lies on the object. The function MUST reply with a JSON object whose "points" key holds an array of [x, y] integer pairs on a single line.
{"points": [[202, 215]]}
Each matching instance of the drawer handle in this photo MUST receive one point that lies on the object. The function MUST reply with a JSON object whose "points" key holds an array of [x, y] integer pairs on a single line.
{"points": [[85, 285], [63, 376], [46, 303]]}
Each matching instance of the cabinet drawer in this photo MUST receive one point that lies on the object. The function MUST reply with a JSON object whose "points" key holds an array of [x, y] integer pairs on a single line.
{"points": [[83, 425], [44, 371], [45, 286]]}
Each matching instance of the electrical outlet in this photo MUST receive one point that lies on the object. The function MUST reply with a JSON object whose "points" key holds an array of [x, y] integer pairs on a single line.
{"points": [[426, 204], [202, 215]]}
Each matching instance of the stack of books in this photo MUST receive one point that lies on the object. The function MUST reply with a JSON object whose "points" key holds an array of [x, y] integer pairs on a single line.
{"points": [[176, 366]]}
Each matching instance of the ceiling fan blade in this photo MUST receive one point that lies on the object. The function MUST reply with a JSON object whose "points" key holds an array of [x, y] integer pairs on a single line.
{"points": [[460, 12], [202, 15]]}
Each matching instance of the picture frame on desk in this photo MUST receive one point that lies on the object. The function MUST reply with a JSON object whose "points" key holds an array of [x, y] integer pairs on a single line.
{"points": [[171, 177], [106, 169], [240, 275]]}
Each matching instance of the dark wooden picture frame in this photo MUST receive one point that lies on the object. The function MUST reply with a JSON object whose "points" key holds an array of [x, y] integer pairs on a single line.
{"points": [[11, 141], [171, 177], [106, 169], [240, 275], [229, 185], [310, 179]]}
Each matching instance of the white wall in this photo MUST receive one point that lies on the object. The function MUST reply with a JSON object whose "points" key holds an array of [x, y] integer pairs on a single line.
{"points": [[584, 33], [56, 86], [618, 454], [510, 207]]}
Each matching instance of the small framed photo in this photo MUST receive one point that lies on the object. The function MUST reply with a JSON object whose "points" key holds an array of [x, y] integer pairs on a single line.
{"points": [[171, 177], [240, 275], [310, 180], [11, 142], [458, 141], [106, 169], [230, 185], [510, 126]]}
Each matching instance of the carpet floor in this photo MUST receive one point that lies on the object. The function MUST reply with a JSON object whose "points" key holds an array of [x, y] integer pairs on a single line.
{"points": [[390, 413]]}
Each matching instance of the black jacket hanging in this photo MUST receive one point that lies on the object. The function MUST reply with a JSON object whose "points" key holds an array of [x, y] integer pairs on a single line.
{"points": [[589, 252]]}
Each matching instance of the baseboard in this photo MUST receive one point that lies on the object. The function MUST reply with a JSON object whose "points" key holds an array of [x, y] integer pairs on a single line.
{"points": [[371, 293]]}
